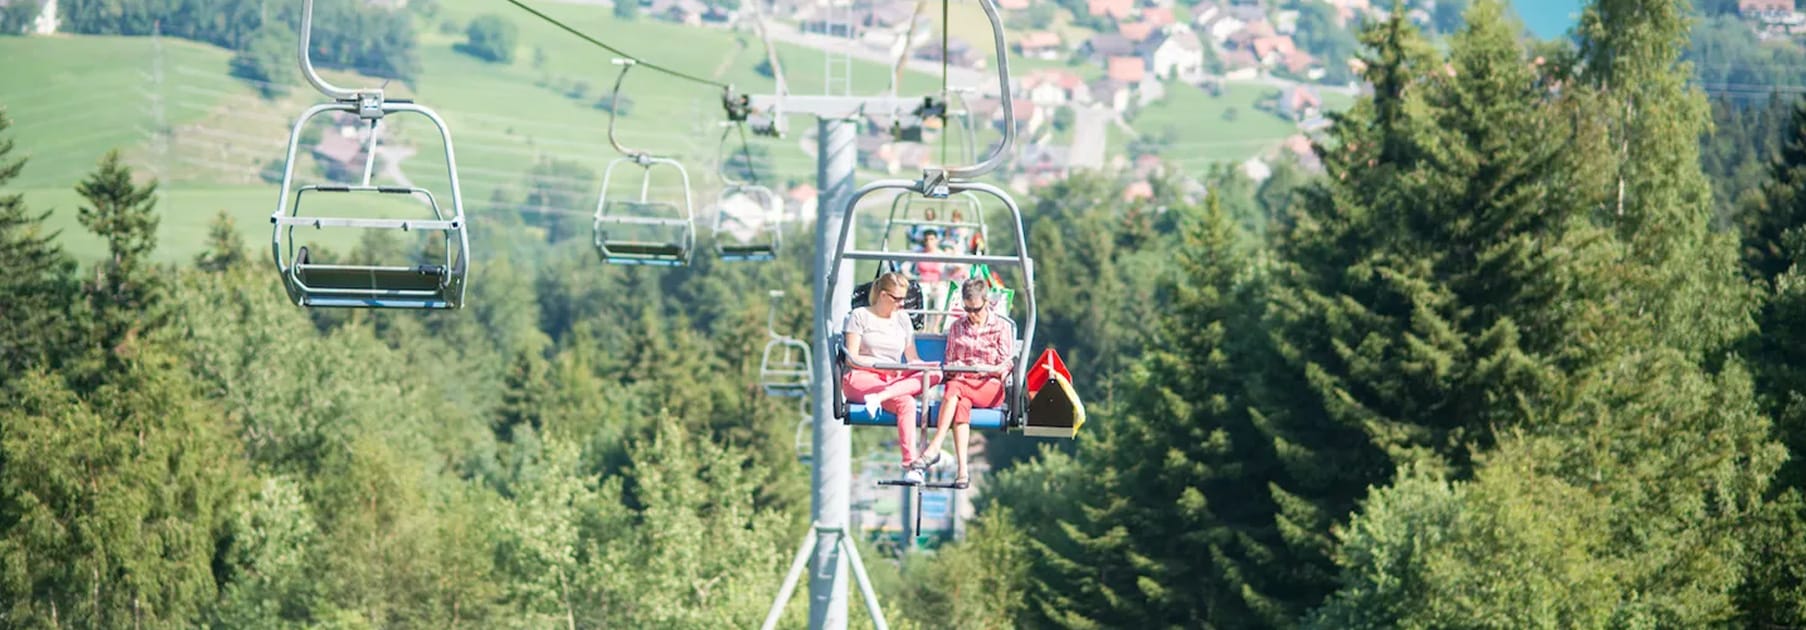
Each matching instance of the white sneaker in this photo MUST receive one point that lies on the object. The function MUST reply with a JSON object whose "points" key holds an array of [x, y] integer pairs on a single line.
{"points": [[913, 477]]}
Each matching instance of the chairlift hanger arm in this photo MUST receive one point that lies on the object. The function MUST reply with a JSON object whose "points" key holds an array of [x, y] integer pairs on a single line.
{"points": [[614, 104], [1001, 152], [307, 65]]}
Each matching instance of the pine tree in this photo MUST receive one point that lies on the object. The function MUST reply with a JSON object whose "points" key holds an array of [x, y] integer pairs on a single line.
{"points": [[39, 280], [1773, 226], [225, 248], [124, 298], [1419, 307]]}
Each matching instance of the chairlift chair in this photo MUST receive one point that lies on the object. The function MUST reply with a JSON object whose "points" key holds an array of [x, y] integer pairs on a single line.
{"points": [[940, 184], [617, 216], [766, 235], [315, 283], [904, 215], [787, 368]]}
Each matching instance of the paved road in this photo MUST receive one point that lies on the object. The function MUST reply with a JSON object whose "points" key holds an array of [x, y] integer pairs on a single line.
{"points": [[1090, 136]]}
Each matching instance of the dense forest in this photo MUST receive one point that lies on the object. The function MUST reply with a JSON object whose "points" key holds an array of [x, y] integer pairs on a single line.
{"points": [[1523, 356]]}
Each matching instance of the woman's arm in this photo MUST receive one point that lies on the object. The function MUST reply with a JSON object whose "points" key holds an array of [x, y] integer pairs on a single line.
{"points": [[853, 340]]}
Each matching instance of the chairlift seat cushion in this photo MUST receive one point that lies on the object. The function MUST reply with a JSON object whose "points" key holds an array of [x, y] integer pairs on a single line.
{"points": [[330, 301], [762, 249], [319, 278], [931, 346], [644, 249], [982, 418]]}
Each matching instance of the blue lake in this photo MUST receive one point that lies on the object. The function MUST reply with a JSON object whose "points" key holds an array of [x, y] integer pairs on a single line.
{"points": [[1548, 19]]}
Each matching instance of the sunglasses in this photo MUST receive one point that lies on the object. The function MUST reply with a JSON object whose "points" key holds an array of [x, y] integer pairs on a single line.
{"points": [[898, 298], [974, 309]]}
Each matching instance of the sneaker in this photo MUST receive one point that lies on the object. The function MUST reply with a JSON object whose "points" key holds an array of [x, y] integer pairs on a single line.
{"points": [[913, 477]]}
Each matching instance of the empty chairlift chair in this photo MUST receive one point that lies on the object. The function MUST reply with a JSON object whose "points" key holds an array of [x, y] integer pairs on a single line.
{"points": [[640, 230], [436, 284], [747, 214], [740, 240], [786, 369]]}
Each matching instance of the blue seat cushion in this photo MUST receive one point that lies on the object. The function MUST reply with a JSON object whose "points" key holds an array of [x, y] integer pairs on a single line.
{"points": [[329, 301], [982, 418], [931, 346]]}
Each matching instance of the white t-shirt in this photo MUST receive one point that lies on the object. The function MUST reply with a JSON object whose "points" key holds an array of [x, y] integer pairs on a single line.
{"points": [[881, 340]]}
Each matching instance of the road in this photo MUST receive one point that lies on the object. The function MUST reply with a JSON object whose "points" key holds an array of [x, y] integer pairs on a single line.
{"points": [[1090, 136]]}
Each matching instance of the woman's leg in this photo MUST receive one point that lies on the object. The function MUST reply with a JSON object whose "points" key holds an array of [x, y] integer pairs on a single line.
{"points": [[950, 397], [902, 404], [962, 439], [878, 390], [986, 393]]}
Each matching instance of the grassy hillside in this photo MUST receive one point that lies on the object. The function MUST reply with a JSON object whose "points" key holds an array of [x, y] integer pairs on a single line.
{"points": [[1208, 133], [171, 106]]}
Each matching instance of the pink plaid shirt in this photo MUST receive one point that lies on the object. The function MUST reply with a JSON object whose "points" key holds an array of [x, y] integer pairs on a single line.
{"points": [[986, 344]]}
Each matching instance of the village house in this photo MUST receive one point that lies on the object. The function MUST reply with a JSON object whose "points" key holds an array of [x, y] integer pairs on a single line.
{"points": [[1286, 22], [685, 12], [1113, 9], [1053, 88], [1111, 93], [1101, 48], [1136, 32], [1138, 190], [1039, 45], [1176, 53], [1298, 147], [799, 202], [1203, 12], [341, 148], [1159, 17], [1272, 50], [1045, 164], [1223, 29], [959, 53], [1129, 70], [1755, 8], [1299, 103], [1148, 166]]}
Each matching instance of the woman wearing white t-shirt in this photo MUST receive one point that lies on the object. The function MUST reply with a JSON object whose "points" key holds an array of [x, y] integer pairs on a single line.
{"points": [[881, 333]]}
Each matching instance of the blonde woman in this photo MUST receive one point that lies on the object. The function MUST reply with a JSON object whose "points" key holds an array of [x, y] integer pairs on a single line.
{"points": [[881, 333]]}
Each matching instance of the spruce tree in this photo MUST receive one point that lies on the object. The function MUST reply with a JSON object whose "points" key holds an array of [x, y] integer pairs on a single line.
{"points": [[125, 296], [1420, 302], [39, 280], [1773, 226], [225, 248]]}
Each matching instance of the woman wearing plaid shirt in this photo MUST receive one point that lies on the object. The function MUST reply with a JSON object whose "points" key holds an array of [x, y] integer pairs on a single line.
{"points": [[981, 339]]}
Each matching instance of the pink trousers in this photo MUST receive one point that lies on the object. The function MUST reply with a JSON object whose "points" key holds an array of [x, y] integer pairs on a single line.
{"points": [[899, 389]]}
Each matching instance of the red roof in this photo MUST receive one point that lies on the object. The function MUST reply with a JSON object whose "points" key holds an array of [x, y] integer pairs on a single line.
{"points": [[1127, 69], [1039, 39], [1012, 5], [1159, 16], [1138, 190], [1281, 44], [1136, 31], [1117, 9]]}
